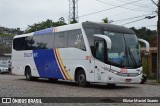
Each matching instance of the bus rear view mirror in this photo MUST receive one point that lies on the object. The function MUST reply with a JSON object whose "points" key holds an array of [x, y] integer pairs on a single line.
{"points": [[106, 38], [146, 43]]}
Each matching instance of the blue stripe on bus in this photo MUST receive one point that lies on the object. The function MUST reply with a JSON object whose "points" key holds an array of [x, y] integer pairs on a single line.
{"points": [[46, 64], [45, 31]]}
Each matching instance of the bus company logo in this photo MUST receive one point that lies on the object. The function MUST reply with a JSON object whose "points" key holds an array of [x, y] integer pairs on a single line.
{"points": [[6, 100], [31, 54]]}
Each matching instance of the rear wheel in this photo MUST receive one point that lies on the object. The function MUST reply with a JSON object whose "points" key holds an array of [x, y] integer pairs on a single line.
{"points": [[81, 78], [28, 74], [53, 79]]}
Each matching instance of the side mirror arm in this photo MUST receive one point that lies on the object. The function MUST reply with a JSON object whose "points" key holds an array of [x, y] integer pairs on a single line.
{"points": [[146, 43]]}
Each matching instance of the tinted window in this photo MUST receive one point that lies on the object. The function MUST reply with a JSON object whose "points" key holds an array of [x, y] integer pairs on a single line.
{"points": [[100, 50], [48, 41], [61, 40], [18, 43], [34, 42], [76, 39]]}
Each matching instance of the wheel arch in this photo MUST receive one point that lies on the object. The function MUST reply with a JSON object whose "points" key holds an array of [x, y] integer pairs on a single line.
{"points": [[27, 66], [77, 70]]}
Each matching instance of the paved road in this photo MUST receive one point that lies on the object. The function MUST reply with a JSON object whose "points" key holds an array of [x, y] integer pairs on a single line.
{"points": [[17, 86]]}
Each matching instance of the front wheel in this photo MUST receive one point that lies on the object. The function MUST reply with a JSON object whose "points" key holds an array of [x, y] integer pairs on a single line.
{"points": [[81, 78], [111, 85]]}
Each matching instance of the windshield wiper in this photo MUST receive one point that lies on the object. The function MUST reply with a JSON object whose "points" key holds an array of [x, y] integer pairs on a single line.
{"points": [[132, 57], [125, 57]]}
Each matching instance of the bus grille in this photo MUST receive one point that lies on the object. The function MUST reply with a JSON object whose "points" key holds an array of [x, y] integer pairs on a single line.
{"points": [[128, 74]]}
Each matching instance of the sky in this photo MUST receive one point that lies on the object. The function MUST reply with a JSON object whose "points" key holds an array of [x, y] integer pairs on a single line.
{"points": [[21, 13]]}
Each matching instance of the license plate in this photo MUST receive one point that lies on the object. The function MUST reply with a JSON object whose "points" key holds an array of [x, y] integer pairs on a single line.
{"points": [[128, 80]]}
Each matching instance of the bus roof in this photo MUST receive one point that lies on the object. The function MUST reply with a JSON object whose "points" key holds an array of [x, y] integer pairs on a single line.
{"points": [[108, 27], [105, 26], [52, 30]]}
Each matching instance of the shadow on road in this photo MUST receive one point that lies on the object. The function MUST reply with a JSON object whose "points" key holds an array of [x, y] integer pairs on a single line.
{"points": [[92, 85]]}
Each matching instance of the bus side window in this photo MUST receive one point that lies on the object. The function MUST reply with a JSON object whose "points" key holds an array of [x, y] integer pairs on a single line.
{"points": [[34, 42], [61, 40], [18, 43], [48, 41], [76, 39]]}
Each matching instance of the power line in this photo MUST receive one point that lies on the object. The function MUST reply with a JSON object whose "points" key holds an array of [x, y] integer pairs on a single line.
{"points": [[119, 14], [141, 3], [133, 21], [147, 26], [137, 4], [138, 20], [109, 8], [154, 3], [120, 7], [131, 18]]}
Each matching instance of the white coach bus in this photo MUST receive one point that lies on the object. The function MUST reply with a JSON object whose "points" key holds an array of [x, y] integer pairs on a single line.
{"points": [[84, 52]]}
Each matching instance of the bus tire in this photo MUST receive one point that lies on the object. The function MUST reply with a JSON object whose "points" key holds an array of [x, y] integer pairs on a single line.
{"points": [[111, 85], [28, 74], [52, 79], [81, 78]]}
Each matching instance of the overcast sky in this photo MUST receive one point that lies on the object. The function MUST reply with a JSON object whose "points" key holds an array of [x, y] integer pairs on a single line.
{"points": [[21, 13]]}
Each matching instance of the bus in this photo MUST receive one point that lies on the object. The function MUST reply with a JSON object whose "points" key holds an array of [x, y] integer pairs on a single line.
{"points": [[86, 52]]}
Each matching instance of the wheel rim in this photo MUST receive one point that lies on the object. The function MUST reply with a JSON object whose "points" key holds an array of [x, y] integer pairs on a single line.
{"points": [[81, 78]]}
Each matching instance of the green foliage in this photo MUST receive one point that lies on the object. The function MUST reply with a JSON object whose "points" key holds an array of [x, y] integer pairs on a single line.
{"points": [[43, 25], [105, 20], [6, 35], [145, 33]]}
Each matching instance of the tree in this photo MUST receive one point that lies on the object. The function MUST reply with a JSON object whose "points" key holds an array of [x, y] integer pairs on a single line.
{"points": [[105, 20], [45, 24], [145, 33]]}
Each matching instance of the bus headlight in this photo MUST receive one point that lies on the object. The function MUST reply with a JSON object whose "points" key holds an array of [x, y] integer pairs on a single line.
{"points": [[114, 72], [140, 72]]}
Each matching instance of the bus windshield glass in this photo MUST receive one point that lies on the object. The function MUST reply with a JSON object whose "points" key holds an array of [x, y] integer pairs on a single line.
{"points": [[125, 50]]}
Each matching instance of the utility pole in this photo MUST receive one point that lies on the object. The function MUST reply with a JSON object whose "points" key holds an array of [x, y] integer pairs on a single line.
{"points": [[158, 41], [73, 11], [158, 44]]}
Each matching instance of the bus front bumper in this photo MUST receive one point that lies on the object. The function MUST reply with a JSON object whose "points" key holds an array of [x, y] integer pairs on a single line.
{"points": [[119, 79]]}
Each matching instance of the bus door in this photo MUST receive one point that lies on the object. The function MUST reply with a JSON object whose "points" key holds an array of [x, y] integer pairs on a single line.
{"points": [[100, 60]]}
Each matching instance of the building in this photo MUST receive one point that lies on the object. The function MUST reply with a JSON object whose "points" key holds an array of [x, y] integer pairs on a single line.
{"points": [[150, 61], [13, 31]]}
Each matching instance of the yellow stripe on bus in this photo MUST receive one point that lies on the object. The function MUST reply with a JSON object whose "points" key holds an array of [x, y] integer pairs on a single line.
{"points": [[61, 62]]}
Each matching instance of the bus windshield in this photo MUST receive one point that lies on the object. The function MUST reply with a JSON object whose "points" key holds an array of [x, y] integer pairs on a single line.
{"points": [[125, 50]]}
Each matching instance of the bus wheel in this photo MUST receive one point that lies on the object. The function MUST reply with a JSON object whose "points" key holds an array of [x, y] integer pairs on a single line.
{"points": [[81, 78], [28, 74], [111, 85], [52, 79]]}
